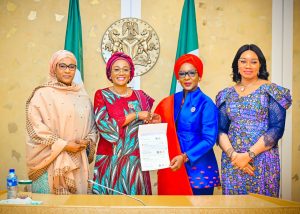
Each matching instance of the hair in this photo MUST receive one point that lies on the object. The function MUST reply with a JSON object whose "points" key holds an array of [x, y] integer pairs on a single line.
{"points": [[262, 74]]}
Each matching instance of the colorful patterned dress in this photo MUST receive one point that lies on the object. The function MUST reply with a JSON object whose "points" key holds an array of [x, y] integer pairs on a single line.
{"points": [[117, 163], [245, 119]]}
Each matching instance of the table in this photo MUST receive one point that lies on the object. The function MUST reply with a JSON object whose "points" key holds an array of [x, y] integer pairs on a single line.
{"points": [[75, 204]]}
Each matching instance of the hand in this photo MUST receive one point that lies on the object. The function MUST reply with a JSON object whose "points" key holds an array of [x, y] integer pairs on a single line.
{"points": [[73, 146], [240, 160], [176, 162], [249, 169], [156, 118], [84, 143], [145, 116]]}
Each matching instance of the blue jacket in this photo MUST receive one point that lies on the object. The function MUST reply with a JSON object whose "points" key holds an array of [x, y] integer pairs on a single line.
{"points": [[197, 128]]}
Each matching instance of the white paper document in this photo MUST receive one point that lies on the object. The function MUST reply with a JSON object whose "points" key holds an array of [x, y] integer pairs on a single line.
{"points": [[153, 145]]}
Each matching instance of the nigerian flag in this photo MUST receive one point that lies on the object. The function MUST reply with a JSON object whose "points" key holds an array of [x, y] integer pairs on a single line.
{"points": [[188, 37], [73, 41]]}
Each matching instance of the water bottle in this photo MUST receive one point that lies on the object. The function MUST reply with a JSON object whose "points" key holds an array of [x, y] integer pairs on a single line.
{"points": [[12, 184]]}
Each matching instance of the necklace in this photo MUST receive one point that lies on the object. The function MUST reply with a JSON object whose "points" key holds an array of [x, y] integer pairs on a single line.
{"points": [[120, 95], [243, 87]]}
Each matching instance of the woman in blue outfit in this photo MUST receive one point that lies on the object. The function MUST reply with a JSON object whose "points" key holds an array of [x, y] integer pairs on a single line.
{"points": [[251, 122], [192, 130]]}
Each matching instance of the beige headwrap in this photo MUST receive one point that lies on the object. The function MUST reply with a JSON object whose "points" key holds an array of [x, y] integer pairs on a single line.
{"points": [[56, 57]]}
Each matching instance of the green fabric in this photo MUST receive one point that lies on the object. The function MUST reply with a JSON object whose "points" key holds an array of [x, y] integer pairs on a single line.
{"points": [[73, 40], [188, 37], [41, 185]]}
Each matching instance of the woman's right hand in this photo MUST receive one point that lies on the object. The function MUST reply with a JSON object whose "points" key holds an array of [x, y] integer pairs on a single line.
{"points": [[74, 146]]}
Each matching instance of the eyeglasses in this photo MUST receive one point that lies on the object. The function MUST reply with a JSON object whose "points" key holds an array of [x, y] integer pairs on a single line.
{"points": [[64, 66], [191, 73], [252, 62], [118, 70]]}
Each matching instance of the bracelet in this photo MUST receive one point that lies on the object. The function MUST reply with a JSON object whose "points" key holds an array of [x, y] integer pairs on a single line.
{"points": [[137, 115], [185, 157], [229, 152]]}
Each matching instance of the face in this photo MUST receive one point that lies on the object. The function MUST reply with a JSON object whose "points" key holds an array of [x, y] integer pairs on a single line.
{"points": [[65, 70], [120, 72], [249, 65], [188, 77]]}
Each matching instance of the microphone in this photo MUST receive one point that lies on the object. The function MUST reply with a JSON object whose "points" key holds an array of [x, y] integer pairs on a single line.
{"points": [[121, 193]]}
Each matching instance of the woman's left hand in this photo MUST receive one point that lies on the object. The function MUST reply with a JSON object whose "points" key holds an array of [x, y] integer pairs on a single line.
{"points": [[241, 160], [155, 118], [145, 116], [176, 162], [84, 143]]}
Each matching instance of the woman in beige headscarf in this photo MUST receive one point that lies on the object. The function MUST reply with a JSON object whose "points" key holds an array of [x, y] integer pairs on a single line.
{"points": [[62, 135]]}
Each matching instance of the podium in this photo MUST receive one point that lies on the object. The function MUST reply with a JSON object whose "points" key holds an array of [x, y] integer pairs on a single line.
{"points": [[77, 204]]}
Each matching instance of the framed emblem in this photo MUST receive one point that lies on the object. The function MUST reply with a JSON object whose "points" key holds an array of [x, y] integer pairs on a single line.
{"points": [[134, 37]]}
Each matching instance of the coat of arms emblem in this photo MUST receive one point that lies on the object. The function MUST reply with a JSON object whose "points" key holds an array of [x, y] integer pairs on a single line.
{"points": [[135, 38]]}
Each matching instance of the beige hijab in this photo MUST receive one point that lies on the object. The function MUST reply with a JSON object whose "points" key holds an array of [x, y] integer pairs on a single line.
{"points": [[55, 114]]}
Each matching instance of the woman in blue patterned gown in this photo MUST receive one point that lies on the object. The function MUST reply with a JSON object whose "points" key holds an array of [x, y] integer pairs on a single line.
{"points": [[251, 122]]}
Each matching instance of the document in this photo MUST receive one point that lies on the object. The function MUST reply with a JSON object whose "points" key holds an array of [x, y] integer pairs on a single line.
{"points": [[153, 145]]}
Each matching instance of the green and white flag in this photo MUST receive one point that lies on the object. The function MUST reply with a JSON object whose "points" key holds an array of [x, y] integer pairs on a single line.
{"points": [[73, 40], [188, 37]]}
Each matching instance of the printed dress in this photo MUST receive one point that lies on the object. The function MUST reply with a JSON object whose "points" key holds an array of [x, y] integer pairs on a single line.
{"points": [[117, 163], [245, 119]]}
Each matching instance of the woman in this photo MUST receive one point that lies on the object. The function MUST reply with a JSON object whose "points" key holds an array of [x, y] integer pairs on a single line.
{"points": [[251, 121], [192, 130], [60, 125], [119, 111]]}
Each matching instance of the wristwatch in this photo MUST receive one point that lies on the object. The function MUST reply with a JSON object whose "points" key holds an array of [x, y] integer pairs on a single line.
{"points": [[251, 154], [185, 157]]}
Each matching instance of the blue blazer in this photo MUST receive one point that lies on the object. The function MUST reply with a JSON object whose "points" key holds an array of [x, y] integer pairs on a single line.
{"points": [[197, 129]]}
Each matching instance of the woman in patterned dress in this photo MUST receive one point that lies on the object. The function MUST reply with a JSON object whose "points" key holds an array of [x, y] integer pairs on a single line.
{"points": [[192, 119], [61, 129], [251, 122], [119, 111]]}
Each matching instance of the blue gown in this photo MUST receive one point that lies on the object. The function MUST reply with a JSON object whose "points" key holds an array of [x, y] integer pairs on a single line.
{"points": [[245, 119], [197, 128]]}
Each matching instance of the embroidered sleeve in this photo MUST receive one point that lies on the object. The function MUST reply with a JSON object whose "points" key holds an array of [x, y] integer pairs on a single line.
{"points": [[277, 115], [223, 121], [280, 94], [222, 95]]}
